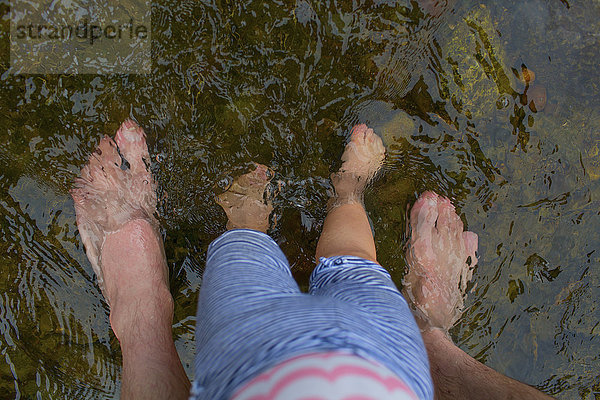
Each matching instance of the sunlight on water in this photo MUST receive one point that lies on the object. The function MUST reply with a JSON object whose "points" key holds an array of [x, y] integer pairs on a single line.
{"points": [[450, 87]]}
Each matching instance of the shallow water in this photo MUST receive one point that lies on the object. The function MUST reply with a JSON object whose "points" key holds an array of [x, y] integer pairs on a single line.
{"points": [[281, 83]]}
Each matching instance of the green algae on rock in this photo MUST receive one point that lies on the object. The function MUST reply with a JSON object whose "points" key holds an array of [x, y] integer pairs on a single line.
{"points": [[477, 59], [401, 125]]}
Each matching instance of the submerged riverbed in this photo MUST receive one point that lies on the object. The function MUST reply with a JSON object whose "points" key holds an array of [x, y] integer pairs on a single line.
{"points": [[448, 85]]}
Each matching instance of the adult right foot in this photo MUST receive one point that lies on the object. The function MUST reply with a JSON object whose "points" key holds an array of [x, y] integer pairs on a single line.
{"points": [[440, 259]]}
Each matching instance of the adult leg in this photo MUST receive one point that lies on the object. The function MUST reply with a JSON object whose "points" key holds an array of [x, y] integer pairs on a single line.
{"points": [[346, 230], [115, 219], [440, 258]]}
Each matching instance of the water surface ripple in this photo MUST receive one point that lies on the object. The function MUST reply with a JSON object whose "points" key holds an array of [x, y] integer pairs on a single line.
{"points": [[281, 82]]}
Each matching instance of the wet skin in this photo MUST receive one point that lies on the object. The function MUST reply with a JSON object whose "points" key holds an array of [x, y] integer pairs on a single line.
{"points": [[115, 209], [441, 257], [115, 217]]}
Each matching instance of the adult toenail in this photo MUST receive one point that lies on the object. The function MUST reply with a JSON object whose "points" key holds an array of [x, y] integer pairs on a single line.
{"points": [[130, 135]]}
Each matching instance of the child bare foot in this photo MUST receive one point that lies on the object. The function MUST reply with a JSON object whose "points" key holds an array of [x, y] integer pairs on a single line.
{"points": [[115, 203], [440, 258], [243, 201], [346, 230], [361, 160]]}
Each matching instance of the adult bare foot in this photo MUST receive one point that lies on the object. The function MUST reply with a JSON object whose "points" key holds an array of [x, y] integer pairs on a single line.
{"points": [[362, 158], [441, 258], [243, 202], [115, 204]]}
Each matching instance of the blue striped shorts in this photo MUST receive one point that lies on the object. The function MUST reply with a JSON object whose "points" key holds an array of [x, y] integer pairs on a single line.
{"points": [[252, 316]]}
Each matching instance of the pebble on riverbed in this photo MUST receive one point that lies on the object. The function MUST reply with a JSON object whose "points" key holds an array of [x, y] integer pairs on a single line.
{"points": [[536, 98], [527, 75]]}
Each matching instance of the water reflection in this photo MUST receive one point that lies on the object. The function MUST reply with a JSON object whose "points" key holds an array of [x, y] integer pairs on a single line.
{"points": [[280, 83]]}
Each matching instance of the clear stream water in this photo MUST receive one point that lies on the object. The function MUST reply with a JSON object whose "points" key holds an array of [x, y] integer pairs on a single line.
{"points": [[281, 82]]}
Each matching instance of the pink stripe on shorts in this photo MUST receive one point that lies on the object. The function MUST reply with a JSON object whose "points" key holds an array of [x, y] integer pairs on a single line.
{"points": [[326, 376]]}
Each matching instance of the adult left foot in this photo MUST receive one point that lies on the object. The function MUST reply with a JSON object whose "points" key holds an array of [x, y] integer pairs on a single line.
{"points": [[115, 202]]}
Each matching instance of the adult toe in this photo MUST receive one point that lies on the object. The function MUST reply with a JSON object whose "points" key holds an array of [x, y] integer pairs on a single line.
{"points": [[131, 140], [424, 212], [358, 133], [471, 244]]}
